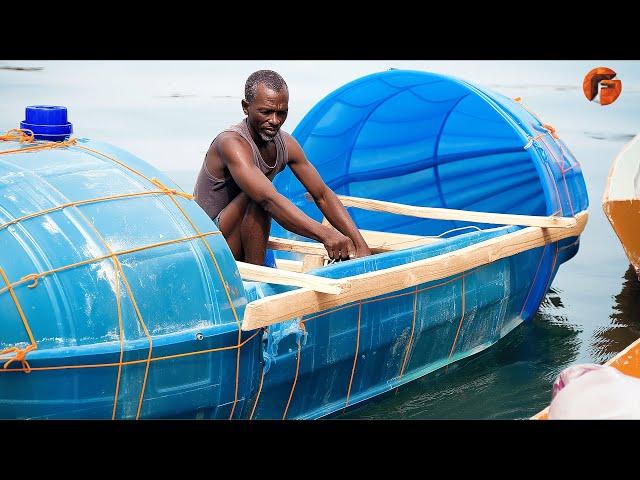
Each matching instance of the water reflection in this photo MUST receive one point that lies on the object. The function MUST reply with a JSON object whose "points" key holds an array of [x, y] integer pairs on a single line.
{"points": [[510, 380], [624, 328]]}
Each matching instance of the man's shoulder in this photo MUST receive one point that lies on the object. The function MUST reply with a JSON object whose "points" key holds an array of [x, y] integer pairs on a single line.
{"points": [[286, 136], [289, 140], [228, 141]]}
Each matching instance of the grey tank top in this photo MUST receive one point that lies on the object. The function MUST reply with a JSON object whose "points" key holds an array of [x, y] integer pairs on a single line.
{"points": [[213, 194]]}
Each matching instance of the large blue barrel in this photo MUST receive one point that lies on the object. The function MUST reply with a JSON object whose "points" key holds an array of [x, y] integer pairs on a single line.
{"points": [[426, 139], [119, 297]]}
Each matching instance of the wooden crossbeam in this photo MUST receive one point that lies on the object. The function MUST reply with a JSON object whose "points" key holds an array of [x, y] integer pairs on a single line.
{"points": [[378, 242], [258, 273], [290, 265], [461, 215], [284, 244]]}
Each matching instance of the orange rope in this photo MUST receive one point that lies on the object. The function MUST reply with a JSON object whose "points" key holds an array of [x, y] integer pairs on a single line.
{"points": [[295, 380], [534, 280], [170, 192], [18, 307], [519, 100], [409, 343], [19, 357], [81, 202], [564, 178], [255, 404], [115, 160], [146, 332], [19, 353], [533, 139], [41, 146], [136, 362], [18, 134], [118, 268], [355, 358], [455, 340], [34, 277], [553, 265], [213, 257], [120, 338], [552, 131], [313, 317], [226, 289]]}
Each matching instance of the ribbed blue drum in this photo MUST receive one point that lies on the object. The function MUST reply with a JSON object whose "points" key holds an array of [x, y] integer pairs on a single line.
{"points": [[123, 285]]}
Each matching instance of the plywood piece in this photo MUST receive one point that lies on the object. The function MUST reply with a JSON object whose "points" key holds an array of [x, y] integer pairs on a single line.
{"points": [[461, 215], [305, 301]]}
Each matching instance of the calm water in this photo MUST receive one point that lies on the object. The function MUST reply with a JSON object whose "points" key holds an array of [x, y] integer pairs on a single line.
{"points": [[168, 112]]}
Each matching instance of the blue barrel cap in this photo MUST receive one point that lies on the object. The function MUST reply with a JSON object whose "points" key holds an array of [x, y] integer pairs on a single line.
{"points": [[47, 122]]}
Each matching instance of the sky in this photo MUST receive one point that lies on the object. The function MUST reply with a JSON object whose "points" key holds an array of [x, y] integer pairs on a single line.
{"points": [[167, 112]]}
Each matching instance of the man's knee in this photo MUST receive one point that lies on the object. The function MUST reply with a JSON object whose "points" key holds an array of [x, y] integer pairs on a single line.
{"points": [[256, 213]]}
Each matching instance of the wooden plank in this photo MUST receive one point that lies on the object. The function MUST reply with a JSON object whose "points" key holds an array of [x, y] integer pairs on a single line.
{"points": [[289, 265], [258, 273], [288, 305], [309, 262], [387, 242], [378, 242], [462, 215], [284, 244]]}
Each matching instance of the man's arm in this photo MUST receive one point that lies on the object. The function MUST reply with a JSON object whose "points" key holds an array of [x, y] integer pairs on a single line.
{"points": [[324, 197], [237, 157]]}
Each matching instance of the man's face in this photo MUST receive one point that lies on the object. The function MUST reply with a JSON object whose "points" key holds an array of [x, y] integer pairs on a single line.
{"points": [[267, 112]]}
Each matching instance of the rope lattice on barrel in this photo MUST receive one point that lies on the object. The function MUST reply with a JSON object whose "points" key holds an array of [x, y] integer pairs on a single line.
{"points": [[29, 145]]}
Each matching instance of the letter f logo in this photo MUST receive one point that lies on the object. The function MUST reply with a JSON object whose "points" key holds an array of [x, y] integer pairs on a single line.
{"points": [[599, 86]]}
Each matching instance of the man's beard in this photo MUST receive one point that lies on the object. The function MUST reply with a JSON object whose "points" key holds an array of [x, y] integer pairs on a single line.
{"points": [[265, 137]]}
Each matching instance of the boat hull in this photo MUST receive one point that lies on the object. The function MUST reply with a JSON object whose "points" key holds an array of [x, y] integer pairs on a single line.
{"points": [[323, 363], [621, 200], [624, 216]]}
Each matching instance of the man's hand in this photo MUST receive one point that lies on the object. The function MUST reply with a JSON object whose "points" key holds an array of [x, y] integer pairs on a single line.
{"points": [[339, 246], [362, 251]]}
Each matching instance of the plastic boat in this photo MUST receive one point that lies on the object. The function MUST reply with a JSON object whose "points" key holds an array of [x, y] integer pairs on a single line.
{"points": [[119, 298]]}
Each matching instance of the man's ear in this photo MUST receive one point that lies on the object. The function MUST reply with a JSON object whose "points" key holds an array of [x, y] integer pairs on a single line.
{"points": [[245, 107]]}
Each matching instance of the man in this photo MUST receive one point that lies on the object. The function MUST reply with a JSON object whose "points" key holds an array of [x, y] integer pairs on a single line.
{"points": [[234, 184]]}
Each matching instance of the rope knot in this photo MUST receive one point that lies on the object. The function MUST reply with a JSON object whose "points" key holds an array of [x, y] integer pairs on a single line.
{"points": [[170, 191], [18, 134], [550, 129], [35, 277], [18, 357], [64, 143]]}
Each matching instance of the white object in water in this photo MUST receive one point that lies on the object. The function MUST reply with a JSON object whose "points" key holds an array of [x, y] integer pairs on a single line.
{"points": [[591, 391]]}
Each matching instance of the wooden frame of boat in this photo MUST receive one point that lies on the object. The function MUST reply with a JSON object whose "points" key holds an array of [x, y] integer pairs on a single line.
{"points": [[318, 293]]}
